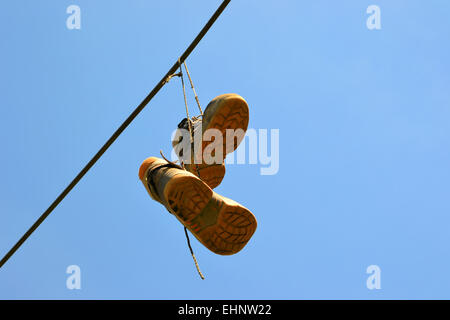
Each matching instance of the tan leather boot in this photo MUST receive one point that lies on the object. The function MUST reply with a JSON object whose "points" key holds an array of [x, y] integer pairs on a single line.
{"points": [[220, 224], [227, 111]]}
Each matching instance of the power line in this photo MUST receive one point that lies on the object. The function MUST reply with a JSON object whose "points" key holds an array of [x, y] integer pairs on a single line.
{"points": [[117, 133]]}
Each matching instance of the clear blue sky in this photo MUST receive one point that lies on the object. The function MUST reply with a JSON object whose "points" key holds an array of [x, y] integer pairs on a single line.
{"points": [[364, 147]]}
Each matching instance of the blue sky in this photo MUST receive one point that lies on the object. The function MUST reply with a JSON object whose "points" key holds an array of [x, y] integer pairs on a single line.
{"points": [[364, 173]]}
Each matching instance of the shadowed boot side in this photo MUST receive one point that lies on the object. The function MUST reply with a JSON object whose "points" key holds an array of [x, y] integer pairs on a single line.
{"points": [[220, 224]]}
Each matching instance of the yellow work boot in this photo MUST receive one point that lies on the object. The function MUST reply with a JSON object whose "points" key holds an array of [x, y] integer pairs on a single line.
{"points": [[227, 112], [220, 224]]}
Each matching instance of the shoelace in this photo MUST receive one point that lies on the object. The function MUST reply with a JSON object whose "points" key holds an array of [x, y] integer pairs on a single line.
{"points": [[150, 180]]}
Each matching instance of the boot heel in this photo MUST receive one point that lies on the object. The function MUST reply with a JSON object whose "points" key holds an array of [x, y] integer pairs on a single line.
{"points": [[212, 174], [187, 196]]}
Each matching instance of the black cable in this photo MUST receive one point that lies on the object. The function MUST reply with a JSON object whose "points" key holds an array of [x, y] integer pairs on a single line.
{"points": [[117, 133]]}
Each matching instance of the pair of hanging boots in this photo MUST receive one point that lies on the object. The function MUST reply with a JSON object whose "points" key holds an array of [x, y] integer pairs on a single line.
{"points": [[219, 223]]}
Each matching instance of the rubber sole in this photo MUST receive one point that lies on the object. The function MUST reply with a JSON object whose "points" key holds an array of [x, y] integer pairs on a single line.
{"points": [[211, 174], [228, 111], [232, 113], [220, 224]]}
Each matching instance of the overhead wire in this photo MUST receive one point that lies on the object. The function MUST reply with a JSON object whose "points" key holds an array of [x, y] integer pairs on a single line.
{"points": [[118, 132]]}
